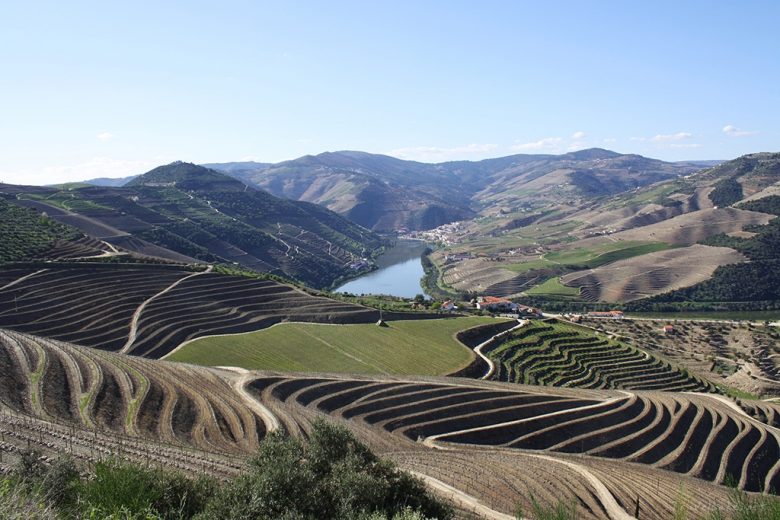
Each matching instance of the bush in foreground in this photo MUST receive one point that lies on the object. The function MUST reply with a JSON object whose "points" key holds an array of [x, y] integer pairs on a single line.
{"points": [[331, 476]]}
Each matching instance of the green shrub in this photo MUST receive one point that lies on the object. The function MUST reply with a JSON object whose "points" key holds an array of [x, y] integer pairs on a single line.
{"points": [[128, 490], [18, 502], [559, 511], [748, 507], [332, 476]]}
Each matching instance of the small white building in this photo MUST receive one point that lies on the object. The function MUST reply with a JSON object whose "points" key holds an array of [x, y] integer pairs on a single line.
{"points": [[449, 305]]}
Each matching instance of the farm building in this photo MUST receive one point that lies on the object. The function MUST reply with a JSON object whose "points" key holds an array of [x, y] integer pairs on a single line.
{"points": [[449, 305], [614, 314], [493, 304], [526, 311], [667, 329]]}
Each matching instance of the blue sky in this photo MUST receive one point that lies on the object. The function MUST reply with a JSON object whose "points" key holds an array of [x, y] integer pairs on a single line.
{"points": [[114, 88]]}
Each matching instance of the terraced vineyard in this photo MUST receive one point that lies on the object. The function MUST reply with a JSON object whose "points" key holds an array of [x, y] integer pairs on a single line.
{"points": [[124, 395], [139, 309], [558, 354], [651, 274], [486, 445], [703, 437]]}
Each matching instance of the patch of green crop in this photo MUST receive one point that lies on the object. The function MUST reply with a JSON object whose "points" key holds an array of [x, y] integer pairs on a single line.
{"points": [[420, 347]]}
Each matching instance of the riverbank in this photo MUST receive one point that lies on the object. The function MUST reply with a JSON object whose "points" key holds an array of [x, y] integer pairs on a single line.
{"points": [[398, 272]]}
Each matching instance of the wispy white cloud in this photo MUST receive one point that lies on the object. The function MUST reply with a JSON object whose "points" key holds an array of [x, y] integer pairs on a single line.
{"points": [[99, 167], [578, 141], [548, 143], [610, 140], [88, 169], [685, 145], [105, 136], [733, 131], [664, 138], [440, 154], [676, 140]]}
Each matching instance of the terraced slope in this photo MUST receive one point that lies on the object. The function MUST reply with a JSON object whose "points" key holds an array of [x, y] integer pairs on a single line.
{"points": [[486, 445], [139, 309], [558, 354], [651, 274], [702, 436], [123, 395], [24, 233]]}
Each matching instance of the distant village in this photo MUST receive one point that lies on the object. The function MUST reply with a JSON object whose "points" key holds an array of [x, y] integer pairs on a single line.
{"points": [[447, 234]]}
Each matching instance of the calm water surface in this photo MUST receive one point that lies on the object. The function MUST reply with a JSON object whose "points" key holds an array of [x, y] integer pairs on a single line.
{"points": [[399, 273]]}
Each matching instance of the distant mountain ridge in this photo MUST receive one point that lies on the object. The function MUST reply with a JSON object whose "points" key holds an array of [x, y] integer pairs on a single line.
{"points": [[383, 193]]}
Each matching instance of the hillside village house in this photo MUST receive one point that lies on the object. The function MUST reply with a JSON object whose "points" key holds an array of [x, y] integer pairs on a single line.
{"points": [[449, 305], [493, 304]]}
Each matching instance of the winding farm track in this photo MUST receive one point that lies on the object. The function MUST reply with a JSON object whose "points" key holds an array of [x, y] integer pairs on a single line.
{"points": [[608, 501], [464, 500], [478, 349], [240, 383], [133, 334], [21, 279]]}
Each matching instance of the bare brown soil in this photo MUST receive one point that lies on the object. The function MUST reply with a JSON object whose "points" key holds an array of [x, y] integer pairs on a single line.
{"points": [[689, 228], [651, 274]]}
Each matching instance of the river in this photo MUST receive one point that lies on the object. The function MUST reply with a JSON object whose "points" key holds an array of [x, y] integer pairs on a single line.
{"points": [[399, 273]]}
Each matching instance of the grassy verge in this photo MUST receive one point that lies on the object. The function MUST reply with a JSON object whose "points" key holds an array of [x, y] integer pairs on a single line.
{"points": [[424, 347], [736, 393]]}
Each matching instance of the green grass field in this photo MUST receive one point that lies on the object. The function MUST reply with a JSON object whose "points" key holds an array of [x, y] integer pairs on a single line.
{"points": [[554, 287], [588, 258], [603, 254], [419, 347]]}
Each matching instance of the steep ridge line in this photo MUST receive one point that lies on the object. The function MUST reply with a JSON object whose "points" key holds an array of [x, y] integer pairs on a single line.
{"points": [[137, 314]]}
